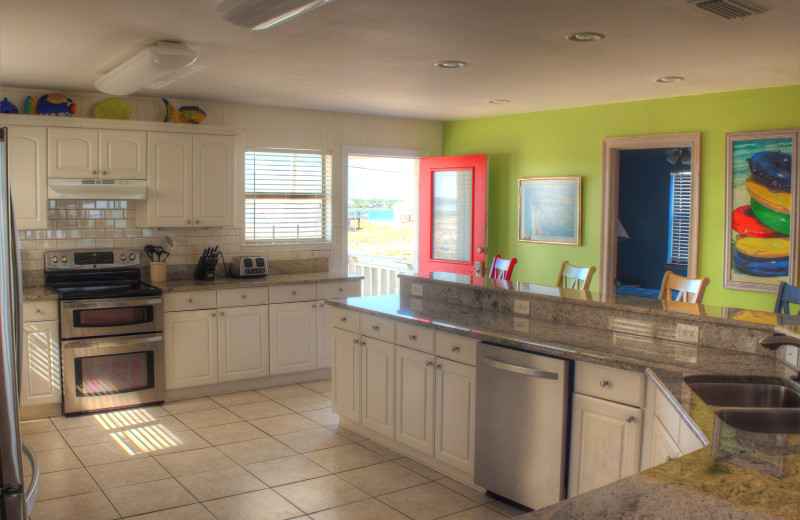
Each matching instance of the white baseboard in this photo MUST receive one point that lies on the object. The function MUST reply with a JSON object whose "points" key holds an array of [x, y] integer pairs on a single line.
{"points": [[247, 384]]}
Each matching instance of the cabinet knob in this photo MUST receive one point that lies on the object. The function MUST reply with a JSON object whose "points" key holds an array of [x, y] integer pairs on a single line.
{"points": [[188, 221], [438, 367], [630, 419], [94, 172], [191, 300], [376, 328], [314, 305], [355, 341], [213, 314], [341, 289], [454, 348], [104, 173], [196, 221], [244, 296], [294, 293], [412, 337], [343, 319], [428, 363], [604, 383], [669, 458], [222, 313], [363, 343], [38, 310]]}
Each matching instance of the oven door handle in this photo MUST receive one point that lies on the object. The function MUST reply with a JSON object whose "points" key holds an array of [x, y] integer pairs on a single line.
{"points": [[111, 340], [110, 303]]}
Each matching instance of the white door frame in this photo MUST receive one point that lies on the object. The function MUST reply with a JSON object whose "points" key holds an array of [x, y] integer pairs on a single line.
{"points": [[408, 153], [610, 201]]}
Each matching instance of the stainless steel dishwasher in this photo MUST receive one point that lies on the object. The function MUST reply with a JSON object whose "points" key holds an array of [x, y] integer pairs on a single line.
{"points": [[521, 425]]}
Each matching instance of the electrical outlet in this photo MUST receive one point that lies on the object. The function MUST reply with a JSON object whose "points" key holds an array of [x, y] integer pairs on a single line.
{"points": [[522, 324], [688, 333], [416, 289], [416, 304], [522, 306], [791, 355], [686, 354]]}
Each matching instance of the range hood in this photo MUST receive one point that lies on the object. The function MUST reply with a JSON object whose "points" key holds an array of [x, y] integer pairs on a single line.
{"points": [[97, 189]]}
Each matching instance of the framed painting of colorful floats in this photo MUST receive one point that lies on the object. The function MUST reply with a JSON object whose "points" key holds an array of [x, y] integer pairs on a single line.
{"points": [[550, 210], [760, 210]]}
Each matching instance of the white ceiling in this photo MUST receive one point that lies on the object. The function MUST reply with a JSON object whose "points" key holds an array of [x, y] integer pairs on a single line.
{"points": [[377, 56]]}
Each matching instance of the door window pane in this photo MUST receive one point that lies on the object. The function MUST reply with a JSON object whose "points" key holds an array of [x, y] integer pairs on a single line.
{"points": [[452, 215]]}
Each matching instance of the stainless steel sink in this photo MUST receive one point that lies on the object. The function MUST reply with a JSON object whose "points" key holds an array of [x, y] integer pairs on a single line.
{"points": [[784, 421], [737, 394]]}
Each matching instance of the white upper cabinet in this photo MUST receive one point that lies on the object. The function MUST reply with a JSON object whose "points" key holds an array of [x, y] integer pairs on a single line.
{"points": [[93, 154], [27, 167], [190, 180]]}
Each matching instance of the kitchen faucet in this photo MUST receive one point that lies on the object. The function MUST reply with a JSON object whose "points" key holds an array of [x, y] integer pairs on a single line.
{"points": [[778, 340]]}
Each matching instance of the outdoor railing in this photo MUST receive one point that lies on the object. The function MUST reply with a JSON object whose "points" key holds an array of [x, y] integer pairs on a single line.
{"points": [[379, 272]]}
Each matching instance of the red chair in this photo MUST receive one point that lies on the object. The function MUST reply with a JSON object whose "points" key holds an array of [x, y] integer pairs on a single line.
{"points": [[502, 268]]}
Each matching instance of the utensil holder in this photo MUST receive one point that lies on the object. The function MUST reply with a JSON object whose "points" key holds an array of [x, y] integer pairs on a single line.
{"points": [[158, 271]]}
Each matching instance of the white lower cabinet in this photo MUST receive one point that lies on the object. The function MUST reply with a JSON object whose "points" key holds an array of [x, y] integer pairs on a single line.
{"points": [[324, 354], [293, 337], [414, 388], [377, 386], [663, 448], [346, 374], [243, 342], [454, 431], [605, 443], [191, 345], [41, 364]]}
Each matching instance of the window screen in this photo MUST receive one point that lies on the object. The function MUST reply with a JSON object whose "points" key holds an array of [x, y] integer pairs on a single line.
{"points": [[287, 196], [680, 217]]}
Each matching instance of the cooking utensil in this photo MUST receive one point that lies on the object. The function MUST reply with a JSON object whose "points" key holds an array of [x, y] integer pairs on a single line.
{"points": [[158, 251], [149, 250]]}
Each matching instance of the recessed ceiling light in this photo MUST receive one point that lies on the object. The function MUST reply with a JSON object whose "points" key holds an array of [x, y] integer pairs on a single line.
{"points": [[499, 101], [585, 37], [449, 64], [670, 79]]}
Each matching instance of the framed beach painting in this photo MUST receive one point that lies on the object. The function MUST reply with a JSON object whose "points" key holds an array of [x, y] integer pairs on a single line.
{"points": [[550, 210], [761, 237]]}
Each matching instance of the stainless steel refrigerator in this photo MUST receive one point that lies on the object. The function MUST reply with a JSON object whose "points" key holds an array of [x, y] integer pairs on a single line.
{"points": [[16, 495]]}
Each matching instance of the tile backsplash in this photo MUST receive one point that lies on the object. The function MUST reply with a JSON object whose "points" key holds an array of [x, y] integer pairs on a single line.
{"points": [[78, 224]]}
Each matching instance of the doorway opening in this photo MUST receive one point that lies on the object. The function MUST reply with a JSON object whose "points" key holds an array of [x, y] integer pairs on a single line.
{"points": [[613, 228], [382, 209]]}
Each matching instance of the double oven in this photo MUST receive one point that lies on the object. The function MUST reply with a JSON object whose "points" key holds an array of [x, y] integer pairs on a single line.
{"points": [[112, 345]]}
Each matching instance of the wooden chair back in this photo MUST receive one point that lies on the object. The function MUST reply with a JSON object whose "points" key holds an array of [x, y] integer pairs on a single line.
{"points": [[690, 290], [786, 294], [573, 277], [502, 268]]}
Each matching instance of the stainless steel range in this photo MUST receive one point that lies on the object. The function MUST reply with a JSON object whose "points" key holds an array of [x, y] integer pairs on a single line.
{"points": [[112, 348]]}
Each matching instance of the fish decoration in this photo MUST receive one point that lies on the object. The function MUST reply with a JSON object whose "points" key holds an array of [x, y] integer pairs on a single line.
{"points": [[188, 115], [50, 105], [7, 107]]}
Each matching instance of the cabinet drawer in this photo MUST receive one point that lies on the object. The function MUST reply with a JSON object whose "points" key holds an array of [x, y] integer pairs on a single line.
{"points": [[242, 297], [40, 311], [416, 337], [457, 348], [331, 291], [293, 293], [378, 328], [190, 301], [609, 383], [668, 415], [343, 319]]}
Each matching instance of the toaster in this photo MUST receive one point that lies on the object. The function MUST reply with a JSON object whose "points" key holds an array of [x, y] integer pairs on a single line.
{"points": [[248, 266]]}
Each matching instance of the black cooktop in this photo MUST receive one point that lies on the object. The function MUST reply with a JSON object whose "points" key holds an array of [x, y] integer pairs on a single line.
{"points": [[99, 284]]}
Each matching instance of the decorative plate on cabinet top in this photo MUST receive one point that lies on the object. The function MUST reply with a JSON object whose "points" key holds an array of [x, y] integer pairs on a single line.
{"points": [[113, 108]]}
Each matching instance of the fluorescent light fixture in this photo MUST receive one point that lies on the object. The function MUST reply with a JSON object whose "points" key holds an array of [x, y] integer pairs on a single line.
{"points": [[145, 67], [263, 14]]}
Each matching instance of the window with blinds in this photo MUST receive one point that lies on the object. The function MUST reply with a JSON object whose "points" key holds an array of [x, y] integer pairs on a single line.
{"points": [[287, 196], [680, 217]]}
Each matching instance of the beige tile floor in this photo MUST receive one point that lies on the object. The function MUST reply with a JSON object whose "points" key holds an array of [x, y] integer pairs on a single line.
{"points": [[272, 454]]}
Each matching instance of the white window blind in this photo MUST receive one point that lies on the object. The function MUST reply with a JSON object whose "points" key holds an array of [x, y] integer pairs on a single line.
{"points": [[680, 217], [287, 196]]}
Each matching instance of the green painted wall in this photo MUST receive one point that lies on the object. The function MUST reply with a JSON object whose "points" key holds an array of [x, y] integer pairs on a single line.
{"points": [[569, 142]]}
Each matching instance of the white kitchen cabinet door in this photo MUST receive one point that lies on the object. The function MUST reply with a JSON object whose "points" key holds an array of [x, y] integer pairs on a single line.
{"points": [[346, 374], [213, 180], [377, 386], [414, 399], [324, 330], [123, 154], [191, 346], [27, 169], [169, 180], [292, 337], [455, 414], [41, 364], [243, 342], [662, 448], [72, 153], [605, 444]]}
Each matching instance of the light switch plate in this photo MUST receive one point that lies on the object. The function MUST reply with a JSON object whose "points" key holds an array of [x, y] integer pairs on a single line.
{"points": [[416, 289], [688, 333], [522, 306]]}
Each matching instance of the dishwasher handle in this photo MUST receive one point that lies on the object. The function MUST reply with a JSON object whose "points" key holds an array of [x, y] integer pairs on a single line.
{"points": [[532, 372]]}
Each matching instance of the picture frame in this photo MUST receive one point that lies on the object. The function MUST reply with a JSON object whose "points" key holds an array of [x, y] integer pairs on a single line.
{"points": [[761, 236], [549, 210]]}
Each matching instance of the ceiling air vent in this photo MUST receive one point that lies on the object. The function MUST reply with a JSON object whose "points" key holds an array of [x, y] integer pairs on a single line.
{"points": [[730, 9]]}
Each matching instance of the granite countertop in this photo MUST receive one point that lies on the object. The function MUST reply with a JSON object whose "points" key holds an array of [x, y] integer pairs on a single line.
{"points": [[690, 487], [43, 293]]}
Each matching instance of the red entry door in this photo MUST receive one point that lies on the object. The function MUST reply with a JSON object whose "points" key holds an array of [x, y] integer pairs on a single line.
{"points": [[452, 214]]}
